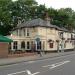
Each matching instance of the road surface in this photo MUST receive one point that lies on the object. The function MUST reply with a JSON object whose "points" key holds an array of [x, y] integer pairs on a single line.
{"points": [[63, 65]]}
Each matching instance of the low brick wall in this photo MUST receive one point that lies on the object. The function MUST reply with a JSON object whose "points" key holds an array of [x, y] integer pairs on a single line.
{"points": [[3, 50], [21, 55]]}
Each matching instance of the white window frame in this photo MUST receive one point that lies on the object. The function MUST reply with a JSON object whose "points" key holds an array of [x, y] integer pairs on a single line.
{"points": [[29, 45], [24, 32], [15, 45], [24, 44], [27, 32]]}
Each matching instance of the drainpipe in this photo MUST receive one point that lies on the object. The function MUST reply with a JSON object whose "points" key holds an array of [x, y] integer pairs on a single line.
{"points": [[62, 49], [46, 39]]}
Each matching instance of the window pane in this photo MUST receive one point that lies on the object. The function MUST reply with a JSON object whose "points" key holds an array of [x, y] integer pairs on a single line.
{"points": [[38, 45], [23, 44], [28, 45], [51, 45], [24, 32], [17, 32], [15, 45], [27, 32], [20, 32]]}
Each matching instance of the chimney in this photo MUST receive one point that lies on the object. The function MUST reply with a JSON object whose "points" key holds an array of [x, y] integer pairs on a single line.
{"points": [[47, 18], [19, 21]]}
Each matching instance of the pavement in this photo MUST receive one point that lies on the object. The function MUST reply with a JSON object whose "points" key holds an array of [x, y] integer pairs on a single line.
{"points": [[9, 61]]}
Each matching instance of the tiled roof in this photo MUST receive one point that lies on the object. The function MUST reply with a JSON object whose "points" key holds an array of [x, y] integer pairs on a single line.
{"points": [[39, 22]]}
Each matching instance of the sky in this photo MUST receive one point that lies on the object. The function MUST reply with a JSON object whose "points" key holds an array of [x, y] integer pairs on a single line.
{"points": [[57, 4]]}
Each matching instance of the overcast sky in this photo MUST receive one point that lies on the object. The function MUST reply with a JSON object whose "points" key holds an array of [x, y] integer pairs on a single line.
{"points": [[57, 4]]}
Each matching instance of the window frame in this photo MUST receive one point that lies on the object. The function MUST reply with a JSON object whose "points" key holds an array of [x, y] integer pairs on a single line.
{"points": [[28, 32], [51, 45], [28, 45], [15, 45], [23, 46]]}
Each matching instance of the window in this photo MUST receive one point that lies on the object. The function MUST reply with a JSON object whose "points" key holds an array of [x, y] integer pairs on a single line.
{"points": [[17, 32], [20, 32], [27, 31], [51, 45], [28, 45], [23, 45], [24, 32], [39, 45], [15, 45]]}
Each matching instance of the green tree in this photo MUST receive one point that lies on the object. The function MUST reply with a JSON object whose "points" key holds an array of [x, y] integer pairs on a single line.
{"points": [[5, 17]]}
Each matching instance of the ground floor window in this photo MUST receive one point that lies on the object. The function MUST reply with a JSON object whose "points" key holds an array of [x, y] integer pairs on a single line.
{"points": [[28, 45], [15, 43], [39, 45], [51, 45], [23, 45]]}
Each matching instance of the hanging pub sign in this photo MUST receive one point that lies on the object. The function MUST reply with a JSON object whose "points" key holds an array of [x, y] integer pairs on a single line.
{"points": [[57, 40], [49, 40]]}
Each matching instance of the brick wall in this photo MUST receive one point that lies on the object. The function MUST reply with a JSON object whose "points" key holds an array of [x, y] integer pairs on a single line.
{"points": [[3, 50]]}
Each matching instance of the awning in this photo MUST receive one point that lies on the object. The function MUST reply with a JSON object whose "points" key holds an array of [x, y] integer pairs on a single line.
{"points": [[5, 39]]}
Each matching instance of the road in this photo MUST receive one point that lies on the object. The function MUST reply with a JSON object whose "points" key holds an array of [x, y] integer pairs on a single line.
{"points": [[63, 65]]}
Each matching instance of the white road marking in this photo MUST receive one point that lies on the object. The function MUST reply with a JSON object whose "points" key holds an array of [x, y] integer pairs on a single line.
{"points": [[56, 64], [27, 71], [31, 61], [16, 73], [59, 64]]}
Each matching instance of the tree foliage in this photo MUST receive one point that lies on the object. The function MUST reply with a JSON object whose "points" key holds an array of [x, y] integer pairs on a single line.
{"points": [[11, 12]]}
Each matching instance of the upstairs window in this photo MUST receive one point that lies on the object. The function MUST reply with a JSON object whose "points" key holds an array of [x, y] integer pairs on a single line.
{"points": [[17, 32], [20, 32], [24, 31], [28, 32]]}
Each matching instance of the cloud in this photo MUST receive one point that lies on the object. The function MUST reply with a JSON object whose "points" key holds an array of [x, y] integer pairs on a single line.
{"points": [[58, 3]]}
